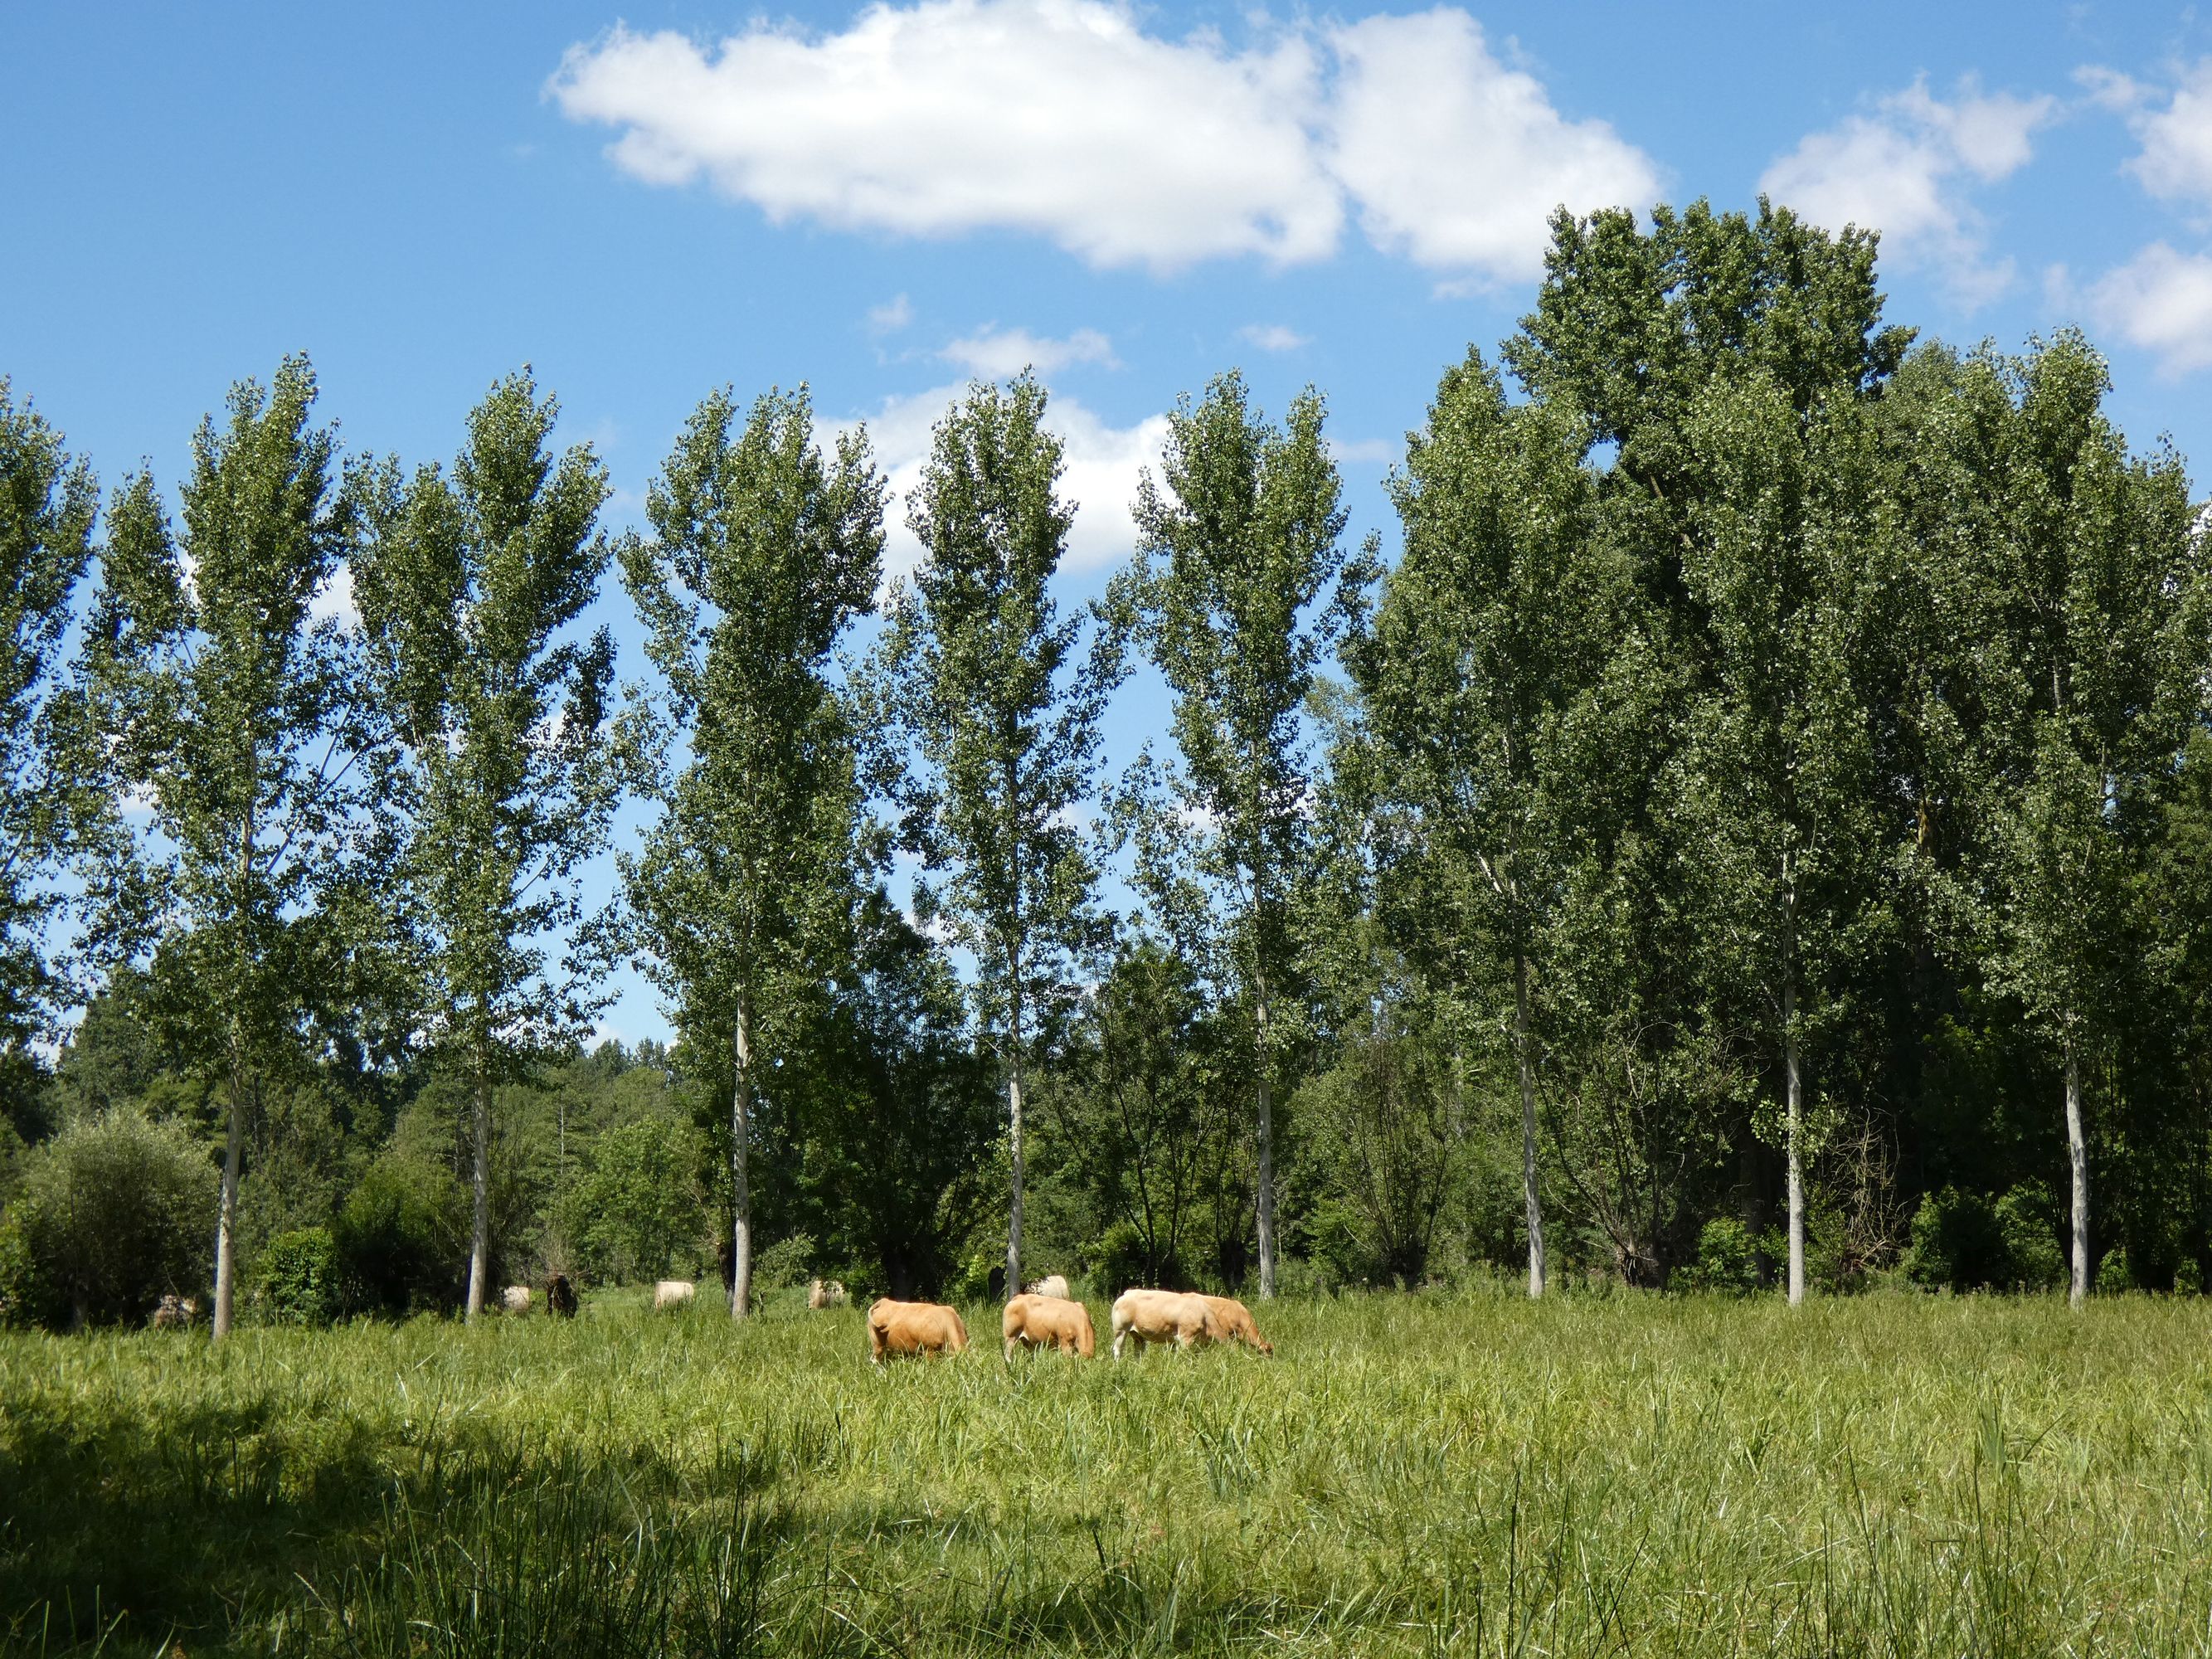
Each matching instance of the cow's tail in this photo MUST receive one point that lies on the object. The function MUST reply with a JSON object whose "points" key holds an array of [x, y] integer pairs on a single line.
{"points": [[1087, 1343]]}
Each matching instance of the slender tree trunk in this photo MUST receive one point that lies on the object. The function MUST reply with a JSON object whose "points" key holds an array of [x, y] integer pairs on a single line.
{"points": [[1530, 1195], [480, 1183], [225, 1224], [1266, 1194], [741, 1191], [2078, 1151], [1793, 1133], [1014, 1145]]}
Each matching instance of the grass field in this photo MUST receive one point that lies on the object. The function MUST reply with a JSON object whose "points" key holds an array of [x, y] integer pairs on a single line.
{"points": [[1593, 1475]]}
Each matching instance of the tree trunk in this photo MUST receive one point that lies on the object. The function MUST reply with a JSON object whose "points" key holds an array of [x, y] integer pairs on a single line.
{"points": [[741, 1190], [225, 1224], [1530, 1195], [480, 1183], [1266, 1194], [1792, 1133], [1014, 1145], [2077, 1150]]}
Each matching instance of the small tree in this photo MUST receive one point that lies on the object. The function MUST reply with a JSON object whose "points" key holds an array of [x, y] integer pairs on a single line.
{"points": [[115, 1209], [233, 708], [468, 585], [763, 554], [1241, 586], [1002, 714]]}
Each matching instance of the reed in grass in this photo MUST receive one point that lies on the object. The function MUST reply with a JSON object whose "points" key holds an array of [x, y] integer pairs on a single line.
{"points": [[1411, 1474]]}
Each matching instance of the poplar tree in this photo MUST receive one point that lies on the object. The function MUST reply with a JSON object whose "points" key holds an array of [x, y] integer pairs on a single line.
{"points": [[1240, 587], [2091, 681], [51, 802], [1490, 635], [469, 584], [763, 553], [1000, 707], [236, 715]]}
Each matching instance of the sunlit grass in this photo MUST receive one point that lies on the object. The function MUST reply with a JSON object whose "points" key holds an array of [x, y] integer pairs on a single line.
{"points": [[1594, 1474]]}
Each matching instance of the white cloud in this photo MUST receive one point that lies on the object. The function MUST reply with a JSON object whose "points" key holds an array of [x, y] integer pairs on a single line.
{"points": [[1099, 476], [1905, 169], [993, 353], [335, 598], [1056, 117], [1064, 119], [891, 316], [2162, 302], [1456, 161], [1365, 451], [2176, 163], [1273, 337]]}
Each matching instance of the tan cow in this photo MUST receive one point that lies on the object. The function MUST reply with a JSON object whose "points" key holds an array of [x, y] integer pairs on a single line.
{"points": [[1237, 1323], [673, 1293], [1034, 1322], [1150, 1316], [175, 1312], [825, 1293], [899, 1328], [516, 1298], [1050, 1285]]}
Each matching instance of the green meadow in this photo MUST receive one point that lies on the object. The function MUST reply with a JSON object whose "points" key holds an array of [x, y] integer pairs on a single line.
{"points": [[1622, 1474]]}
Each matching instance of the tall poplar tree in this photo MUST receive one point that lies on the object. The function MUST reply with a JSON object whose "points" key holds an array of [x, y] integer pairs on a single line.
{"points": [[469, 586], [236, 714], [49, 758], [763, 553], [1492, 631], [1241, 586], [1001, 707], [2093, 679]]}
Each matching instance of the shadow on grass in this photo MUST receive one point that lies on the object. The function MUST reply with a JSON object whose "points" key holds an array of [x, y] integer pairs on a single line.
{"points": [[202, 1529]]}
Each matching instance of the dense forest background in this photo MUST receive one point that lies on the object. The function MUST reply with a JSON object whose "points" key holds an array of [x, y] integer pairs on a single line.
{"points": [[1757, 832]]}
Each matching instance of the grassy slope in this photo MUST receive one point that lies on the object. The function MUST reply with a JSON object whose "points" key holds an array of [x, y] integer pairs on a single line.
{"points": [[1633, 1475]]}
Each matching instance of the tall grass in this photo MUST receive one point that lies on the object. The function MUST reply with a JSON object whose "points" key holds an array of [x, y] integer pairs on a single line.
{"points": [[1601, 1475]]}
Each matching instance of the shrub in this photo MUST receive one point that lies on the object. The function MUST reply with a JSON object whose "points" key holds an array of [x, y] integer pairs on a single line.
{"points": [[2026, 1223], [116, 1212], [785, 1264], [1728, 1262], [1956, 1242], [299, 1277], [2189, 1277], [2114, 1276], [26, 1296], [402, 1238], [637, 1208]]}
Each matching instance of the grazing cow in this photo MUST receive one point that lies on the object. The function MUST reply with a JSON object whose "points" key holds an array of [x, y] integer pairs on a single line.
{"points": [[1237, 1323], [673, 1293], [175, 1312], [899, 1328], [1050, 1285], [1150, 1316], [1034, 1320], [561, 1297], [825, 1293], [516, 1298]]}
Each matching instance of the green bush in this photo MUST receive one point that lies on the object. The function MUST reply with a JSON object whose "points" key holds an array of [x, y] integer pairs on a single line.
{"points": [[785, 1265], [300, 1281], [2114, 1276], [1728, 1262], [636, 1210], [1956, 1244], [26, 1296], [402, 1238], [2189, 1277], [117, 1211], [2027, 1222]]}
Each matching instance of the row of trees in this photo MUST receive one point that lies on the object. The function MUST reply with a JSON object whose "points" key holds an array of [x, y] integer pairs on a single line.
{"points": [[1776, 761]]}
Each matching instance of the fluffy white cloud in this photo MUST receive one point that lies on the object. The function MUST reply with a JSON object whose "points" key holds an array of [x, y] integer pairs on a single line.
{"points": [[1064, 119], [1456, 161], [994, 353], [2176, 163], [891, 316], [1099, 476], [2160, 301], [1906, 170], [1271, 337], [1056, 117]]}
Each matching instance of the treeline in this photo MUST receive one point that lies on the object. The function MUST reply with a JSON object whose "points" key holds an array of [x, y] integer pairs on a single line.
{"points": [[1758, 830]]}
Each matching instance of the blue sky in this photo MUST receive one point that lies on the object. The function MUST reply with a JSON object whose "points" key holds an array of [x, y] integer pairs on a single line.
{"points": [[646, 203]]}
